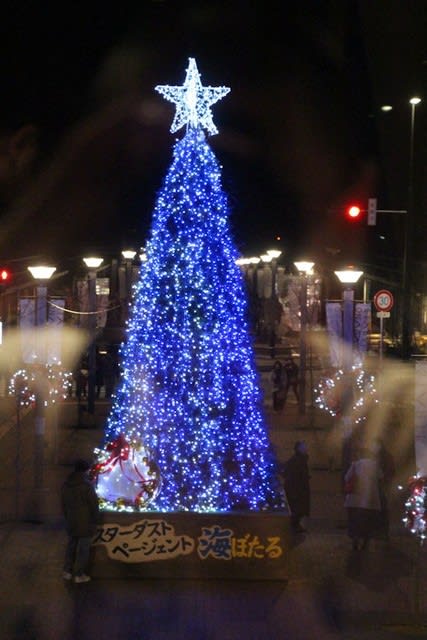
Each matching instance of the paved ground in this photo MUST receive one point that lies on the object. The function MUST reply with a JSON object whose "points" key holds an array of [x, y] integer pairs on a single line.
{"points": [[332, 592]]}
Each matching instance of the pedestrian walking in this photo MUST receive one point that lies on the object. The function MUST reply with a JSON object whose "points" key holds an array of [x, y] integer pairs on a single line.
{"points": [[80, 509], [99, 374], [296, 478], [362, 499], [278, 379], [292, 377], [388, 470], [81, 377]]}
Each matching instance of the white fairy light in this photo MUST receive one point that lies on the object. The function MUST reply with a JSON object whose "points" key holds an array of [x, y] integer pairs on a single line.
{"points": [[192, 100]]}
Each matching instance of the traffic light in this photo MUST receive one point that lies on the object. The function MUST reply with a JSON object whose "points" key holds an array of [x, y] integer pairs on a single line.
{"points": [[372, 212], [353, 212], [4, 276]]}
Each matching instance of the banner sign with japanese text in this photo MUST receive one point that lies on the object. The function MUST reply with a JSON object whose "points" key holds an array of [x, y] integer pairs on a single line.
{"points": [[236, 546]]}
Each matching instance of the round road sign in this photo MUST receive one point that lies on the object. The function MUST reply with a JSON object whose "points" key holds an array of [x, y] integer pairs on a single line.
{"points": [[383, 300]]}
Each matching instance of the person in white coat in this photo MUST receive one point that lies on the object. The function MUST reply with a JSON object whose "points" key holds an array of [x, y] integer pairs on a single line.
{"points": [[362, 498]]}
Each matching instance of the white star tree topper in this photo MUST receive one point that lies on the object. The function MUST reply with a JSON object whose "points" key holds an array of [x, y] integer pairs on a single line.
{"points": [[192, 100]]}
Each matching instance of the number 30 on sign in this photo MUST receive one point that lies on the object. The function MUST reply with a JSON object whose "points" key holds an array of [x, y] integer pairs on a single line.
{"points": [[383, 300]]}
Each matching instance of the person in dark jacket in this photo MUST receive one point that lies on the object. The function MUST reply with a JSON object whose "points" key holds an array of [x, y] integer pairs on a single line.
{"points": [[291, 370], [387, 467], [278, 381], [297, 485], [80, 509]]}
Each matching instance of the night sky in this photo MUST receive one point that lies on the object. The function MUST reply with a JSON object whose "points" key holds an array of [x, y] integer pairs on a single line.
{"points": [[299, 134]]}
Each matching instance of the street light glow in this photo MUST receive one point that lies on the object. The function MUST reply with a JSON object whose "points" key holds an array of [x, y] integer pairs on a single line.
{"points": [[415, 100], [128, 254], [304, 266], [42, 272], [274, 253], [349, 275], [92, 262]]}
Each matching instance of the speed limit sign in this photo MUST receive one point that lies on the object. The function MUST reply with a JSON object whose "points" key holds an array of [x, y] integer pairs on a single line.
{"points": [[383, 300]]}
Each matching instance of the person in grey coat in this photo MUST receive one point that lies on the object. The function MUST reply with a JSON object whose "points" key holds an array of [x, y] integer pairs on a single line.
{"points": [[362, 498], [80, 508]]}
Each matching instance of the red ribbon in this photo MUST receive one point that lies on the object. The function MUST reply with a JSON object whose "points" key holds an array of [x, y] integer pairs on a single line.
{"points": [[119, 450]]}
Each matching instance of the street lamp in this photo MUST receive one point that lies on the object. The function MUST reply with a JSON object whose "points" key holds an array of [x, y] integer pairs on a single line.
{"points": [[274, 253], [408, 233], [269, 294], [348, 278], [304, 268], [128, 255], [92, 264], [41, 274]]}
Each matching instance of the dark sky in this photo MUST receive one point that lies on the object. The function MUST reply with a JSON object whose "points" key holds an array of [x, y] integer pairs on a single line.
{"points": [[299, 134]]}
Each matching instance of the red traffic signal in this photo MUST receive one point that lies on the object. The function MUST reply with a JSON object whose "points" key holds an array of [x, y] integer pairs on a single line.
{"points": [[353, 212], [4, 276]]}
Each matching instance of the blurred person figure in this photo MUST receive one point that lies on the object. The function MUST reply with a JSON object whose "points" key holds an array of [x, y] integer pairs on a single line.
{"points": [[362, 498], [80, 509], [99, 374], [292, 372], [82, 374], [297, 485], [278, 379], [110, 374], [272, 342], [388, 470]]}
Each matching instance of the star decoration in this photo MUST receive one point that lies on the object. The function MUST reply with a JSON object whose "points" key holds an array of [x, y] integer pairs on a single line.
{"points": [[192, 100]]}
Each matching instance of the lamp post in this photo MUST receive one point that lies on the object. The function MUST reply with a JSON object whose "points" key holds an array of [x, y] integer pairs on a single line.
{"points": [[41, 275], [128, 256], [269, 296], [348, 278], [304, 268], [92, 264], [408, 233], [405, 285]]}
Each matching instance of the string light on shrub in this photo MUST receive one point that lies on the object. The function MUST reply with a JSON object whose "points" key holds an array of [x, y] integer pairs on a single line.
{"points": [[331, 390], [415, 507], [23, 384]]}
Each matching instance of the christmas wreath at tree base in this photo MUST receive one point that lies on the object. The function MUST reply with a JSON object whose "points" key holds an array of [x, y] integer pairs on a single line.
{"points": [[238, 546]]}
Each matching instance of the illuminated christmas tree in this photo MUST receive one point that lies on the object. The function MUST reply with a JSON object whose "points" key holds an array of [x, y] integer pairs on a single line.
{"points": [[186, 430]]}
